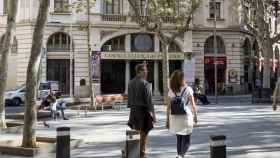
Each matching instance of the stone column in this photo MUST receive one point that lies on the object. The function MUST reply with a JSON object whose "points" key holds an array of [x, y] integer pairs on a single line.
{"points": [[128, 43], [157, 44], [127, 75], [156, 79], [127, 63]]}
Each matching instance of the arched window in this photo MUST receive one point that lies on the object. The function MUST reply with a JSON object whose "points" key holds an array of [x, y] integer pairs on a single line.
{"points": [[14, 47], [209, 45], [247, 47], [115, 44], [58, 42], [142, 42], [256, 49]]}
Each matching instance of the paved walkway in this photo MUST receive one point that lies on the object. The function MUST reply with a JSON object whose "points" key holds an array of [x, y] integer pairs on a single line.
{"points": [[252, 132]]}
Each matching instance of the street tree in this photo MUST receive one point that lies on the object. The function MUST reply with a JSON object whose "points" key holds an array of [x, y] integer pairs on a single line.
{"points": [[81, 6], [30, 115], [5, 50], [259, 24], [151, 18]]}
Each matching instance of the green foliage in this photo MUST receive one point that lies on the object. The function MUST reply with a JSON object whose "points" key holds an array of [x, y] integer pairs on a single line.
{"points": [[156, 12], [80, 5]]}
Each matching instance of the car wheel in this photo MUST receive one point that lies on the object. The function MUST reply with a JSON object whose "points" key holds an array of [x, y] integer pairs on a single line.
{"points": [[16, 101]]}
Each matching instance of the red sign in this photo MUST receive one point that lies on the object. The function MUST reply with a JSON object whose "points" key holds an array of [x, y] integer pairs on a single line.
{"points": [[219, 60]]}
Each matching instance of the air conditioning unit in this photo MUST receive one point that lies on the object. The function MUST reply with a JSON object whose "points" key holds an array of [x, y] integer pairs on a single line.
{"points": [[107, 47]]}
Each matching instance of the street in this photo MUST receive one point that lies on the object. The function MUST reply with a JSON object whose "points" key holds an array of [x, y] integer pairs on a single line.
{"points": [[252, 132]]}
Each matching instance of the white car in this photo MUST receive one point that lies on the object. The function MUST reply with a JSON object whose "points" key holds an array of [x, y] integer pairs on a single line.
{"points": [[16, 96]]}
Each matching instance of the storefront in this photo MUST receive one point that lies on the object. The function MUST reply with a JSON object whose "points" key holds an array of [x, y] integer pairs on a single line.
{"points": [[118, 68]]}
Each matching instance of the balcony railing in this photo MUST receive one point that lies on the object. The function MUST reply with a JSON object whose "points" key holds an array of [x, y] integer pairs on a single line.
{"points": [[166, 19], [113, 17], [123, 18]]}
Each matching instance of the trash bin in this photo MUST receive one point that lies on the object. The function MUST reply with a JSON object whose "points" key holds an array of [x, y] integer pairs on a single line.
{"points": [[132, 145], [218, 146]]}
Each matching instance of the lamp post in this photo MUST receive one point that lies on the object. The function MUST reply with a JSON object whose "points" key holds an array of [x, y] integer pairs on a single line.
{"points": [[215, 52], [277, 56]]}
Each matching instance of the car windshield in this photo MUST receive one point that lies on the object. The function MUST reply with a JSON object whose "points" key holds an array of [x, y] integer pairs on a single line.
{"points": [[16, 88], [44, 86]]}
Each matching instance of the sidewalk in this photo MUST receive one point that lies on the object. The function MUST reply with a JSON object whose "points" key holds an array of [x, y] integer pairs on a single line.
{"points": [[252, 132]]}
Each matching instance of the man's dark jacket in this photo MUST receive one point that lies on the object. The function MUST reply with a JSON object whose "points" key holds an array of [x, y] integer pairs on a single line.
{"points": [[140, 104]]}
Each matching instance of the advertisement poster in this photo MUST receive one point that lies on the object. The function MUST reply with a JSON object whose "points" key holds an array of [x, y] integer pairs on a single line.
{"points": [[233, 76], [95, 63], [189, 70]]}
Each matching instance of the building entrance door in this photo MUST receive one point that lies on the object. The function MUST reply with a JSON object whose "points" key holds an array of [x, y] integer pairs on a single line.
{"points": [[209, 74], [59, 70], [112, 76]]}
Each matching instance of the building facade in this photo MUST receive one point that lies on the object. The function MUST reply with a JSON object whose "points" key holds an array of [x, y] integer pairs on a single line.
{"points": [[118, 45]]}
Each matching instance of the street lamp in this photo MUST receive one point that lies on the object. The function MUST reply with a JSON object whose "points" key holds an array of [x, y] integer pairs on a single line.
{"points": [[215, 52], [276, 52]]}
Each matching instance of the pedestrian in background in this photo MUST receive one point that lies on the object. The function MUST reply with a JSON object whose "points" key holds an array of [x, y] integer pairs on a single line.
{"points": [[198, 92], [182, 125], [142, 115], [276, 94]]}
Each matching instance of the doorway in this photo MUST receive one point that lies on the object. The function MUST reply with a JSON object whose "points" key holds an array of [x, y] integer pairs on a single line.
{"points": [[112, 76], [59, 70], [209, 74]]}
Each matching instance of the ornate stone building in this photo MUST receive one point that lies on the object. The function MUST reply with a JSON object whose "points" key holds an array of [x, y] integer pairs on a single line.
{"points": [[118, 45]]}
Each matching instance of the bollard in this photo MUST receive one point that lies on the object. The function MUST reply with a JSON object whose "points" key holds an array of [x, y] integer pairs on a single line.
{"points": [[218, 146], [132, 146], [63, 142]]}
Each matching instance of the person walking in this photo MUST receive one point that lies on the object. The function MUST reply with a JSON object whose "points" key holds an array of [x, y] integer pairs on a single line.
{"points": [[142, 114], [181, 124], [198, 92], [276, 94]]}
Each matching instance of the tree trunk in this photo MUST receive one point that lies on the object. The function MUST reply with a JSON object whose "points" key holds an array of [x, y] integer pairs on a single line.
{"points": [[268, 50], [5, 51], [30, 116], [92, 91], [165, 71]]}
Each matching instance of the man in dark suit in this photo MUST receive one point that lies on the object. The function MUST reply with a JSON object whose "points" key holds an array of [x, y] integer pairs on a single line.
{"points": [[142, 115]]}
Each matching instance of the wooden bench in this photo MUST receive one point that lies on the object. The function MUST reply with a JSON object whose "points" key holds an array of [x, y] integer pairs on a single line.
{"points": [[103, 101], [114, 100]]}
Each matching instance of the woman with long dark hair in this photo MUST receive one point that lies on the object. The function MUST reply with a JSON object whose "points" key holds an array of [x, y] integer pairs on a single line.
{"points": [[182, 125]]}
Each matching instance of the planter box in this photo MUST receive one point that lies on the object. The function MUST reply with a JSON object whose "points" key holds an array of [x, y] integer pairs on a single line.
{"points": [[45, 146]]}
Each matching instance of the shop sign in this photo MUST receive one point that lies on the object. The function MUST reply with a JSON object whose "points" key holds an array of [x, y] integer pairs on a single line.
{"points": [[95, 66], [219, 61], [139, 56]]}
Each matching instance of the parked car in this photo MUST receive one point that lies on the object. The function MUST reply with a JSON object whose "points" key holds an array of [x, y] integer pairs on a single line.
{"points": [[16, 96]]}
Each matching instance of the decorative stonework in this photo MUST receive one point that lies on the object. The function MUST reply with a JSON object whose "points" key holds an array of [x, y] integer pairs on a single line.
{"points": [[140, 56], [106, 33]]}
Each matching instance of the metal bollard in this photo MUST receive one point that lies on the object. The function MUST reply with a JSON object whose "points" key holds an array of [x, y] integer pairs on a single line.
{"points": [[218, 146], [63, 142], [132, 145]]}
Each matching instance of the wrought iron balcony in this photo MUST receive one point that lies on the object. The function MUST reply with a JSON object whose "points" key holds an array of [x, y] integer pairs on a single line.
{"points": [[113, 17]]}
